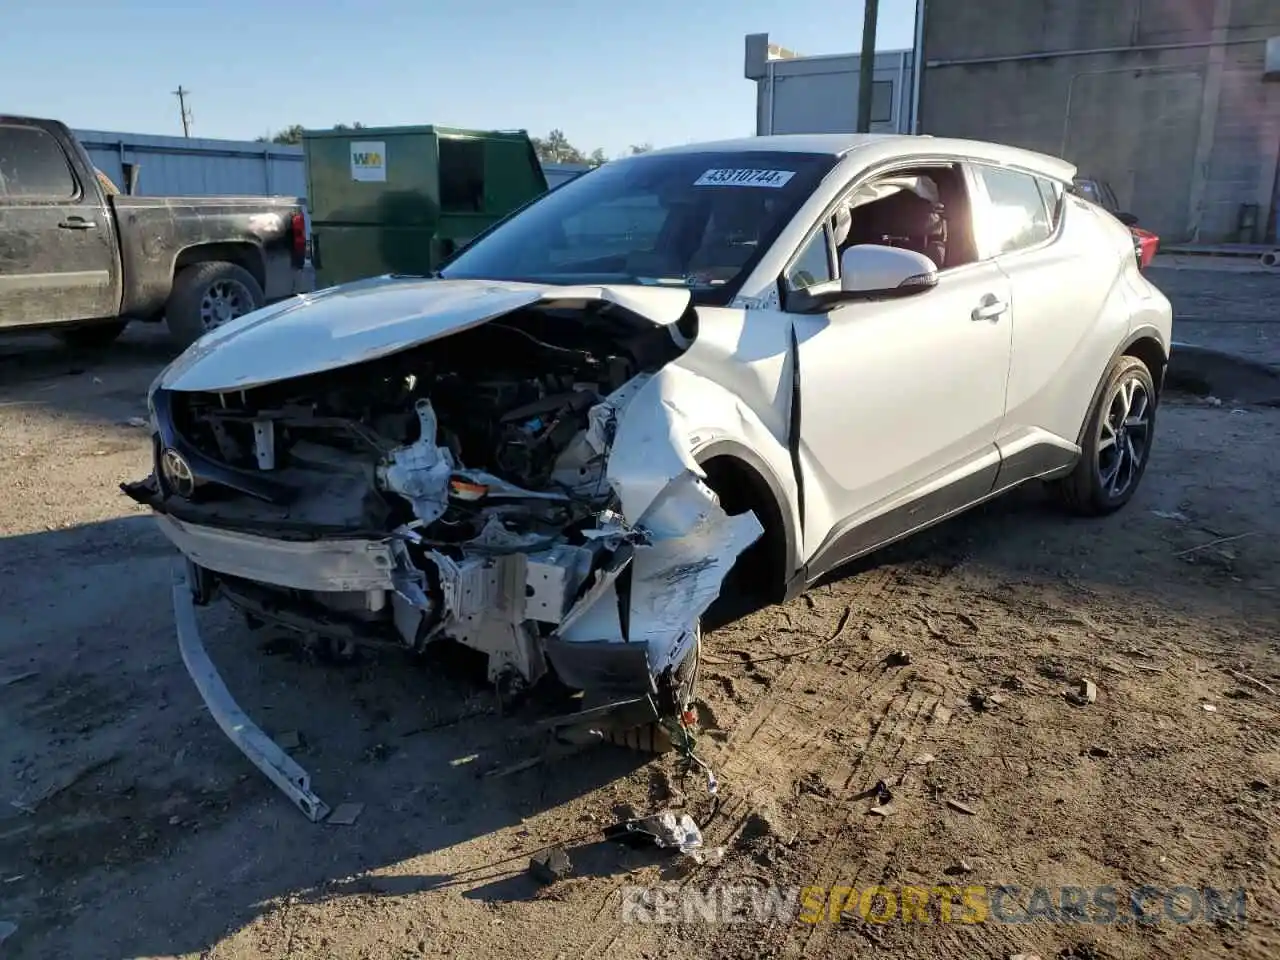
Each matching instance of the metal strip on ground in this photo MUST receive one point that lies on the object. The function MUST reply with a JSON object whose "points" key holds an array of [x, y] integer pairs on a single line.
{"points": [[262, 751]]}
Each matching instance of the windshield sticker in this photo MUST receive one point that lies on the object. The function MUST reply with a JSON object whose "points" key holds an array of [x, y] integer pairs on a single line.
{"points": [[744, 178]]}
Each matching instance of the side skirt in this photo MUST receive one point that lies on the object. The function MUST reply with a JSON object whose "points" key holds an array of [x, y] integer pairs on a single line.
{"points": [[986, 483]]}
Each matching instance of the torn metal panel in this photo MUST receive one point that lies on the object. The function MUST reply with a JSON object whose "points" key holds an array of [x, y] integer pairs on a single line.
{"points": [[679, 573], [692, 544], [261, 750]]}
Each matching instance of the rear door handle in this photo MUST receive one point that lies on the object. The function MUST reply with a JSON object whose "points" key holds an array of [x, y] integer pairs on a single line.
{"points": [[77, 223], [990, 308]]}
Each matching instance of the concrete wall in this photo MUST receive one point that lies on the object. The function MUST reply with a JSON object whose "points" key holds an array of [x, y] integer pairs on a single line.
{"points": [[1163, 98]]}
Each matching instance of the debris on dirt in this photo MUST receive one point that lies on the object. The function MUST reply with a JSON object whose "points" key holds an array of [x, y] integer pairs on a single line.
{"points": [[7, 929], [289, 740], [1014, 682], [18, 678], [664, 830], [550, 865], [897, 658], [512, 768], [1024, 956], [1102, 752], [345, 814], [883, 810], [923, 760], [1208, 708], [1085, 693], [982, 699], [880, 791], [140, 422], [1214, 543], [1170, 515], [1242, 677], [662, 790], [813, 784], [1052, 670], [959, 807], [1261, 786], [959, 869]]}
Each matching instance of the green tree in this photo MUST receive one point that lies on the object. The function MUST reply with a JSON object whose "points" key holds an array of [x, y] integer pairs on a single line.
{"points": [[597, 157], [556, 148]]}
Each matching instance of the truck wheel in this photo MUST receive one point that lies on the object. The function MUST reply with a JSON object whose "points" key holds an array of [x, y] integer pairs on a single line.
{"points": [[207, 295], [93, 336]]}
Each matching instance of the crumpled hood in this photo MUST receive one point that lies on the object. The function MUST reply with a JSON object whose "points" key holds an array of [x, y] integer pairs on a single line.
{"points": [[373, 318]]}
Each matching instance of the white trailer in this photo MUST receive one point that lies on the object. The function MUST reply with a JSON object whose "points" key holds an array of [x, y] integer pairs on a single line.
{"points": [[798, 94]]}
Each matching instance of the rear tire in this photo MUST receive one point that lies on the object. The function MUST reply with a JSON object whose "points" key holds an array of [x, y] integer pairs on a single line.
{"points": [[94, 336], [206, 295], [1117, 442]]}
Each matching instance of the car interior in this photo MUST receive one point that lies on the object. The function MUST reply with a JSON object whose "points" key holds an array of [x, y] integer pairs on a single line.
{"points": [[926, 210]]}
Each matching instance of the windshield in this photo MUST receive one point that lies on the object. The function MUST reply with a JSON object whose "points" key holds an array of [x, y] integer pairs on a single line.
{"points": [[695, 220]]}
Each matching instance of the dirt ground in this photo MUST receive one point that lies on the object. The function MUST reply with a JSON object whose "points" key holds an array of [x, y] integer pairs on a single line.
{"points": [[130, 827]]}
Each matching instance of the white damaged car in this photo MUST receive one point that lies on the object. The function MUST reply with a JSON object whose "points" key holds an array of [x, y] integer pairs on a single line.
{"points": [[778, 353]]}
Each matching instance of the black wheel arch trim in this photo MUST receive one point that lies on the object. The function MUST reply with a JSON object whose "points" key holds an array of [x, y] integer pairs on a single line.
{"points": [[740, 451], [1142, 333]]}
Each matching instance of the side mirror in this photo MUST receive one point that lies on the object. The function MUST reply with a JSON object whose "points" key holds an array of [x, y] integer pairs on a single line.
{"points": [[1128, 219], [870, 271]]}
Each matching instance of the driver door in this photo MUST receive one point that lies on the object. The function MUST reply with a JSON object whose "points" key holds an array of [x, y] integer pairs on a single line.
{"points": [[900, 400]]}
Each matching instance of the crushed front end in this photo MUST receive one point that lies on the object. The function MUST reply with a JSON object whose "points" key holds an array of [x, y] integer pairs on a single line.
{"points": [[457, 490]]}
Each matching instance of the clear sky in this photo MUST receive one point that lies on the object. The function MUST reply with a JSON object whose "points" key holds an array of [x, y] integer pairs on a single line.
{"points": [[609, 73]]}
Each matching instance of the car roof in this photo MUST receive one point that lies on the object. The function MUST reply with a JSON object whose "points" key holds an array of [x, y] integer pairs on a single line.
{"points": [[874, 148]]}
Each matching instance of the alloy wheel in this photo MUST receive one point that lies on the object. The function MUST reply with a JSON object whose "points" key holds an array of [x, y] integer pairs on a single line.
{"points": [[1124, 436], [224, 300]]}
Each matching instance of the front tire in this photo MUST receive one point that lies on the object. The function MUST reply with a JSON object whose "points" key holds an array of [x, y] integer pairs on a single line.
{"points": [[207, 295], [1117, 442]]}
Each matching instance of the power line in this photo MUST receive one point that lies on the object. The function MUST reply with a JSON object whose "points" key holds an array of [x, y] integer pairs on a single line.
{"points": [[182, 95]]}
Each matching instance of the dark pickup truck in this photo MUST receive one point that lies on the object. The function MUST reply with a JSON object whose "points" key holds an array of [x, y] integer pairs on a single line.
{"points": [[81, 260]]}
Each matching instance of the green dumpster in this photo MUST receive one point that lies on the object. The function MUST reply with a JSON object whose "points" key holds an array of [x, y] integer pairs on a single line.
{"points": [[401, 199]]}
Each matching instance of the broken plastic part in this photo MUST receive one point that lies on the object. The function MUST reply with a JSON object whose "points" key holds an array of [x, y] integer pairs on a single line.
{"points": [[420, 471]]}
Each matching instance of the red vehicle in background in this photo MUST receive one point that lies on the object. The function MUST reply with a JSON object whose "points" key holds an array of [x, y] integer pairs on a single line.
{"points": [[1145, 243]]}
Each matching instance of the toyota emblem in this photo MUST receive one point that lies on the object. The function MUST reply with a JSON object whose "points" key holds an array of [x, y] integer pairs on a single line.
{"points": [[177, 473]]}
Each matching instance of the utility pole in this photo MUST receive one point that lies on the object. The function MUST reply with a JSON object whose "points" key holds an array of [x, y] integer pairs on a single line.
{"points": [[182, 95], [867, 64]]}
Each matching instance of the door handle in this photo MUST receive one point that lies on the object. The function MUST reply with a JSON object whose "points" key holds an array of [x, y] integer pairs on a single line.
{"points": [[990, 308], [77, 223]]}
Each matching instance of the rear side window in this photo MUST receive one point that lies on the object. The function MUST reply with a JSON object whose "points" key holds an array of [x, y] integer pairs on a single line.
{"points": [[1017, 216], [33, 166], [1054, 194]]}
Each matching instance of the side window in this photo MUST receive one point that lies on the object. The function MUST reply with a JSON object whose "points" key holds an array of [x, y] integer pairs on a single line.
{"points": [[813, 266], [1017, 216], [33, 166]]}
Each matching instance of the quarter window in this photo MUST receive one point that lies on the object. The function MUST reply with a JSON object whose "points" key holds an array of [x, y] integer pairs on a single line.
{"points": [[33, 166], [1054, 194], [1016, 217], [813, 266]]}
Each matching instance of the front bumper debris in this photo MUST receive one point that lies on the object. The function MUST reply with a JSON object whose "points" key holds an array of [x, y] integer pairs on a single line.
{"points": [[263, 752]]}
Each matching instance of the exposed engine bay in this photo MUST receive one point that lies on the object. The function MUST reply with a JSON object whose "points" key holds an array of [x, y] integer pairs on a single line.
{"points": [[455, 490]]}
